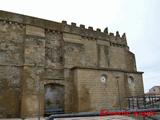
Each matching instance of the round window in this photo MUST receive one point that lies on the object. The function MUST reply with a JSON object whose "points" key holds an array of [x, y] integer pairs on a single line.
{"points": [[103, 78]]}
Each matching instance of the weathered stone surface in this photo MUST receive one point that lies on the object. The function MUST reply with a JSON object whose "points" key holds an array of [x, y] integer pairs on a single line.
{"points": [[36, 31], [10, 91], [101, 42], [11, 44], [74, 55], [133, 87], [130, 60], [53, 50], [91, 54], [33, 90], [95, 95], [103, 56], [35, 53], [117, 58], [53, 74], [72, 38]]}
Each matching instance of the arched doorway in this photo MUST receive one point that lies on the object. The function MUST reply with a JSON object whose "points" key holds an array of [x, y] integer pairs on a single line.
{"points": [[54, 99]]}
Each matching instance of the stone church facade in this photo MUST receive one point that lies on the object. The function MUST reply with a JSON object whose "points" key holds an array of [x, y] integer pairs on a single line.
{"points": [[45, 65]]}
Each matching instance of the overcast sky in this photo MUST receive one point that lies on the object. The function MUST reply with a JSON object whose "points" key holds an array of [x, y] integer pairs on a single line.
{"points": [[139, 19]]}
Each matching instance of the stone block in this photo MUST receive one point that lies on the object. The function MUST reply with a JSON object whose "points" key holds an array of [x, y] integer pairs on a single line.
{"points": [[35, 31], [102, 42], [34, 51]]}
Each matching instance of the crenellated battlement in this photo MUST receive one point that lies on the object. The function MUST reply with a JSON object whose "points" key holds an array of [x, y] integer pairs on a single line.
{"points": [[94, 33], [90, 32], [83, 31]]}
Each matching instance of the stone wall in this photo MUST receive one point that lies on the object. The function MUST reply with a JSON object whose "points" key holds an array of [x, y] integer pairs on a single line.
{"points": [[94, 94], [36, 52], [11, 59]]}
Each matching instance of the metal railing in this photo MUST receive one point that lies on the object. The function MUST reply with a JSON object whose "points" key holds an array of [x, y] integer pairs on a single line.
{"points": [[50, 111], [144, 101], [139, 104], [93, 114]]}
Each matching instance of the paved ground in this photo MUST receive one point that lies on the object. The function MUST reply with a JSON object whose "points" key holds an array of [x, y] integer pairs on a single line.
{"points": [[115, 117], [23, 119]]}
